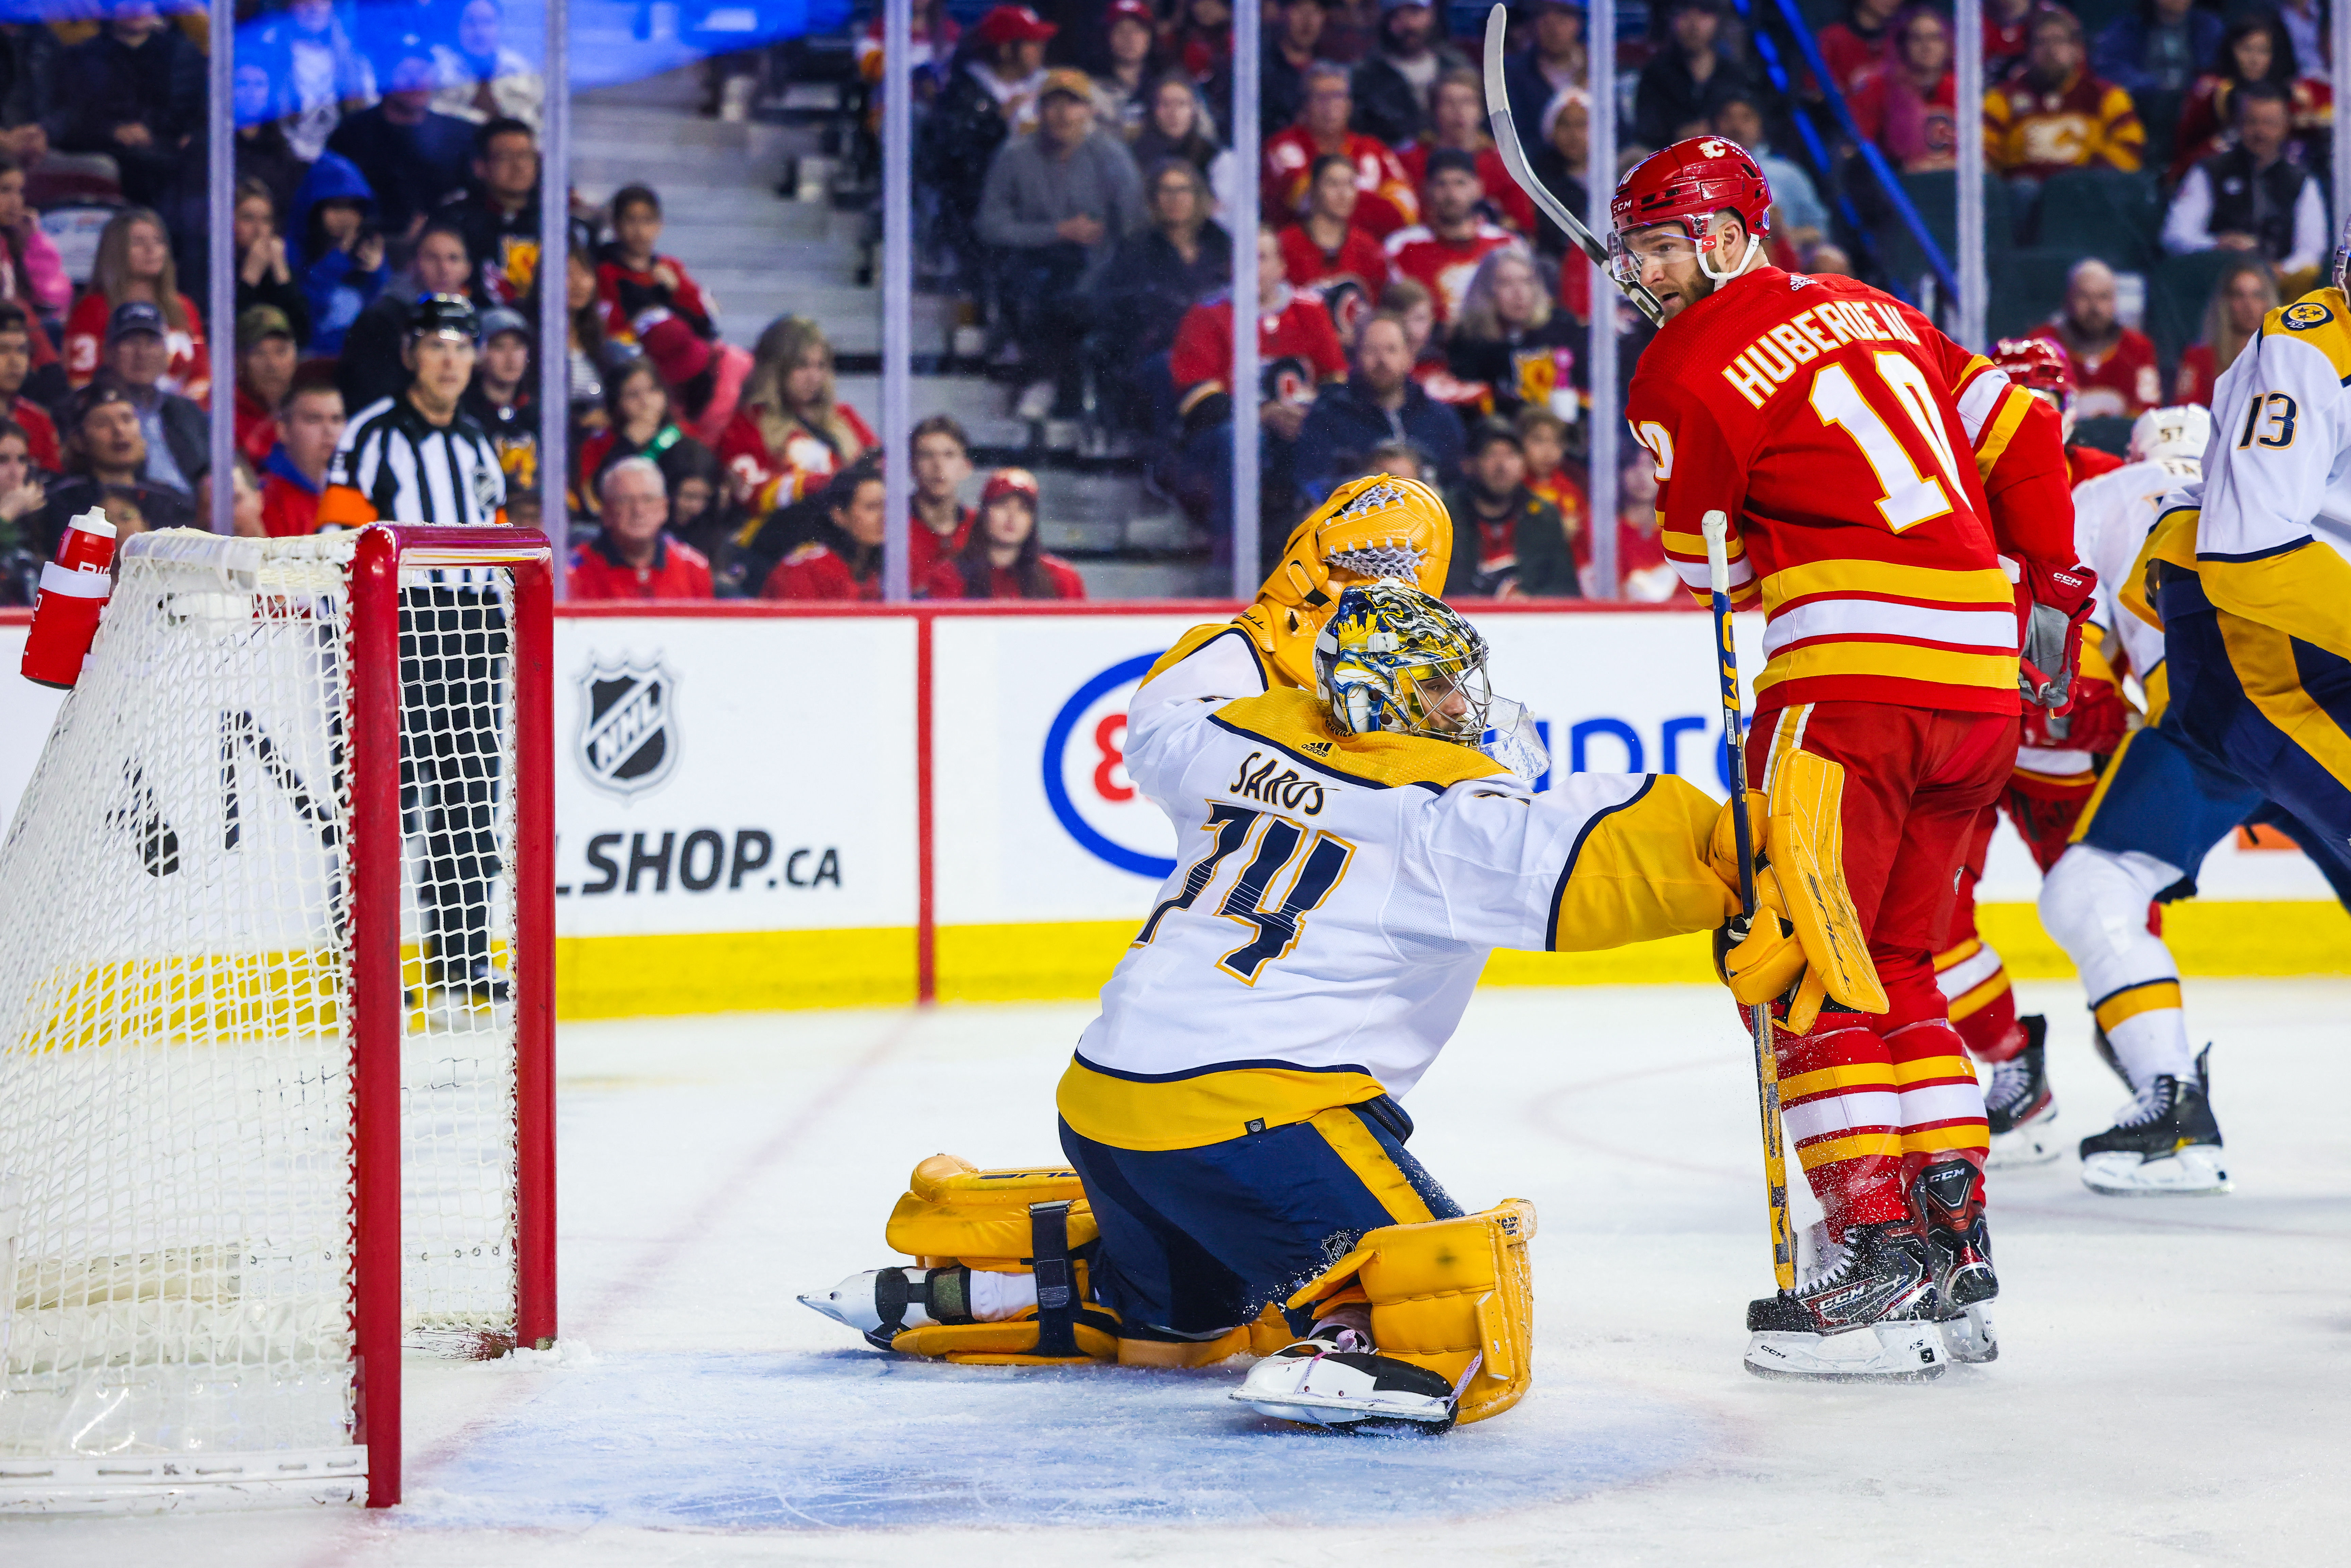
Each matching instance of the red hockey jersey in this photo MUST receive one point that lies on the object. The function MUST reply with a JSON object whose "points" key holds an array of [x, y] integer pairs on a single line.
{"points": [[1390, 200], [1444, 266], [1873, 470], [1350, 279], [1297, 350]]}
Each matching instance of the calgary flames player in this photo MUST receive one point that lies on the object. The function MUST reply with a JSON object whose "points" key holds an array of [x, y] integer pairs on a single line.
{"points": [[2039, 366], [1874, 473]]}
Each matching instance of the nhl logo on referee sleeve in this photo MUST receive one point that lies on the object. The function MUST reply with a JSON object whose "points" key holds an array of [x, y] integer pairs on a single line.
{"points": [[628, 726]]}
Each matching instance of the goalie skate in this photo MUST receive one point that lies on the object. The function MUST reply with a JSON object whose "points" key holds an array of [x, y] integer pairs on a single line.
{"points": [[1337, 1381], [2019, 1105], [2166, 1141], [1861, 1317]]}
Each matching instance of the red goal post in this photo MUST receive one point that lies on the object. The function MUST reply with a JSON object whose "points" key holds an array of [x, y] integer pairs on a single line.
{"points": [[277, 1014]]}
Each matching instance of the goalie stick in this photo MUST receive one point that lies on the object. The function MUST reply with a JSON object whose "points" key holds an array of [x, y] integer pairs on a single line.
{"points": [[1717, 529], [1514, 161]]}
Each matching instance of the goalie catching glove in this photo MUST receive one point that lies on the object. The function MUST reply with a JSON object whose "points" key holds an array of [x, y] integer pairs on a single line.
{"points": [[1804, 942], [1369, 528]]}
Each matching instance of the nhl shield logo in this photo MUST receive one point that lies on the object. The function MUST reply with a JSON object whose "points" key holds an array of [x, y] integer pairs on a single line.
{"points": [[628, 727]]}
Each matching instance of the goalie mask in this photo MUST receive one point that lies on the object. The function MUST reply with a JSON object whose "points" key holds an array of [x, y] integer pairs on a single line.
{"points": [[1393, 660]]}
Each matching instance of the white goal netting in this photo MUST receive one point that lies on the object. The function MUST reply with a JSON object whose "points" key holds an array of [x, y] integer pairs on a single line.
{"points": [[177, 1244]]}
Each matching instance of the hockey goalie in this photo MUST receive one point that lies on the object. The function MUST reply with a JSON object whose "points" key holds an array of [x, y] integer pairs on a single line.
{"points": [[1357, 832]]}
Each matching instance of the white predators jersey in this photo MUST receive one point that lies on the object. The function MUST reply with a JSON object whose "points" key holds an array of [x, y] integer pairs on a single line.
{"points": [[1335, 898], [2113, 514]]}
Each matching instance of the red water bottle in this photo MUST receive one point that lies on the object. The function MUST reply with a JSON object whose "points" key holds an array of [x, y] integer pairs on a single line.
{"points": [[74, 589]]}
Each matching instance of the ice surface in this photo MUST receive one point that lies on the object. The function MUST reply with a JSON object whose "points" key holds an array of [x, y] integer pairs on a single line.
{"points": [[2172, 1388]]}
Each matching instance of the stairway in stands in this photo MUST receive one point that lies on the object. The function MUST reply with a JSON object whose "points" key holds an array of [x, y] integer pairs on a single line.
{"points": [[765, 255]]}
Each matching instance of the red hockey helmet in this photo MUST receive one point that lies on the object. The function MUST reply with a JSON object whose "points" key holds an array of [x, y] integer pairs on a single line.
{"points": [[2037, 365], [1686, 184]]}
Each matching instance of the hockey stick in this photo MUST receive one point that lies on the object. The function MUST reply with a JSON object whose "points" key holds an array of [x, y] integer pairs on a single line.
{"points": [[1514, 160], [1716, 526]]}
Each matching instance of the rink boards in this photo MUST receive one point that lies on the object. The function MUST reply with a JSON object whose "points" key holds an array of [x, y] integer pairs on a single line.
{"points": [[762, 808]]}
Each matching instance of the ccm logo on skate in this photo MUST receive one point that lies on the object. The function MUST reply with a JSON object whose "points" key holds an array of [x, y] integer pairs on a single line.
{"points": [[1085, 769]]}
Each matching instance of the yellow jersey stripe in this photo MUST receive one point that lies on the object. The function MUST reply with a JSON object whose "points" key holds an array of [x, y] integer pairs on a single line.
{"points": [[2098, 796], [1933, 585], [1974, 1000], [1934, 1140], [1890, 660], [2153, 996], [1845, 1075], [2000, 430], [1851, 1146], [1368, 1158], [1695, 544], [1929, 1069], [1958, 955], [1209, 1107]]}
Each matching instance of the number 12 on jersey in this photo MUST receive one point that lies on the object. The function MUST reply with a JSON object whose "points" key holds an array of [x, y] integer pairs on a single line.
{"points": [[1276, 930]]}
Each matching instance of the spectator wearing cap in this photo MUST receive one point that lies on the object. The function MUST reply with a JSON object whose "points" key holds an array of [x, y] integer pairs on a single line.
{"points": [[942, 462], [2254, 196], [342, 256], [844, 562], [178, 434], [1379, 403], [632, 278], [1563, 162], [371, 368], [420, 457], [414, 158], [106, 468], [1443, 253], [631, 555], [134, 262], [705, 379], [1293, 42], [1001, 556], [1553, 61], [1508, 542], [1126, 64], [1391, 88], [503, 397], [135, 92], [308, 426], [500, 217], [992, 93], [15, 365], [264, 370], [1457, 119], [1056, 205], [1389, 200], [1692, 65]]}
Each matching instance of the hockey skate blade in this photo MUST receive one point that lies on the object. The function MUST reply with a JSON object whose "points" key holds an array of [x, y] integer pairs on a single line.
{"points": [[1970, 1338], [850, 1303], [1345, 1392], [1908, 1349], [2027, 1144], [2197, 1171]]}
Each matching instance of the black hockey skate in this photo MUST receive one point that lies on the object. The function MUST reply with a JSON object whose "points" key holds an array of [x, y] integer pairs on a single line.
{"points": [[1948, 1198], [2166, 1141], [2018, 1103], [1865, 1314]]}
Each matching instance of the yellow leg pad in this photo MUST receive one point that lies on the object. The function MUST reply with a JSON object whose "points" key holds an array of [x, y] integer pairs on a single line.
{"points": [[1012, 1344], [1186, 1352], [1452, 1295], [955, 1212]]}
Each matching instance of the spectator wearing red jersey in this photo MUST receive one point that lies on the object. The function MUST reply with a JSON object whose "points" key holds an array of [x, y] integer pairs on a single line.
{"points": [[1000, 558], [16, 365], [1200, 36], [1326, 251], [264, 370], [632, 557], [1298, 353], [1389, 200], [941, 454], [32, 274], [2242, 295], [1857, 44], [2257, 49], [1542, 437], [2007, 35], [134, 262], [1645, 575], [1511, 340], [1443, 254], [2113, 367], [1908, 105], [791, 433], [2054, 116], [632, 278], [308, 426], [1457, 117], [843, 563]]}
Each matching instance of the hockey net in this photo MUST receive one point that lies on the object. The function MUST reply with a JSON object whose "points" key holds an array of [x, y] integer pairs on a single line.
{"points": [[257, 877]]}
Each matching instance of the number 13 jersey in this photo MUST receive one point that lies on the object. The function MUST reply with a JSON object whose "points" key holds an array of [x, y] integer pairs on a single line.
{"points": [[1873, 472], [1335, 899]]}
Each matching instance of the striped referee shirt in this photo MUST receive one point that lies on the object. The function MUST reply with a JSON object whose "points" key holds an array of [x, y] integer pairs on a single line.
{"points": [[394, 465]]}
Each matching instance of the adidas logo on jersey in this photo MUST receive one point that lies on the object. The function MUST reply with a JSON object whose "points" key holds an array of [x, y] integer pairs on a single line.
{"points": [[1319, 748]]}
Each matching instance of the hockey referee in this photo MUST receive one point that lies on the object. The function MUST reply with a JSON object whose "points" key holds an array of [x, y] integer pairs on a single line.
{"points": [[419, 458]]}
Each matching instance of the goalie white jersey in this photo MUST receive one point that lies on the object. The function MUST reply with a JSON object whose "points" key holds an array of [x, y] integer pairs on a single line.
{"points": [[1335, 898]]}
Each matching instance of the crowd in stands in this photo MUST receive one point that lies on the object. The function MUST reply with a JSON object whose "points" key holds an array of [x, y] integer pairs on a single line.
{"points": [[1075, 176]]}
